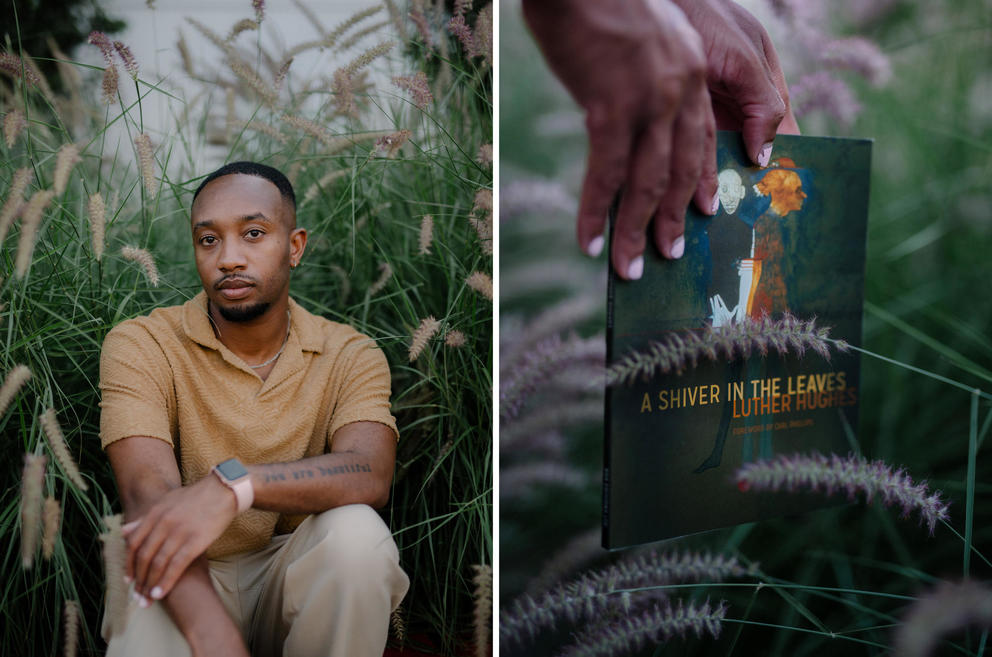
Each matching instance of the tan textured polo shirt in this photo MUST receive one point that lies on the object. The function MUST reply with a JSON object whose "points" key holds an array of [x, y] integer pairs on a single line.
{"points": [[167, 376]]}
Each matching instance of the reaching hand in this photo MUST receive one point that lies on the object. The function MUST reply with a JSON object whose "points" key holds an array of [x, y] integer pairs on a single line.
{"points": [[174, 531], [743, 74], [638, 69]]}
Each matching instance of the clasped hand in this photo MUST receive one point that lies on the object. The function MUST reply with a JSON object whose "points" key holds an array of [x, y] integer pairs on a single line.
{"points": [[173, 532]]}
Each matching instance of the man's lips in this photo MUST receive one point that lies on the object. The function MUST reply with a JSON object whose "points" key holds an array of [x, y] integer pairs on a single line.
{"points": [[234, 288]]}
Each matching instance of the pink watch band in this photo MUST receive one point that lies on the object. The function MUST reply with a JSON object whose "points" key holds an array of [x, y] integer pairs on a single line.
{"points": [[240, 484], [244, 491]]}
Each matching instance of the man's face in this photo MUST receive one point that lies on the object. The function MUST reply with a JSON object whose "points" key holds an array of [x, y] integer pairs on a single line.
{"points": [[731, 190], [244, 240]]}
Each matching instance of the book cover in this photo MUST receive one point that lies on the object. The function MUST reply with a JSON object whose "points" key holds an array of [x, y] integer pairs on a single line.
{"points": [[788, 239]]}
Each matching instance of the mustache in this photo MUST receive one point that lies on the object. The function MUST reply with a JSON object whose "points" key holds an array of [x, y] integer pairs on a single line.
{"points": [[240, 278]]}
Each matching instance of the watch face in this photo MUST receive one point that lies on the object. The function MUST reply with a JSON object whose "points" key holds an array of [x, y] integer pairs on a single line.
{"points": [[231, 469]]}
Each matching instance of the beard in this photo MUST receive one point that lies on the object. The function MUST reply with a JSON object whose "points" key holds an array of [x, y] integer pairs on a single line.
{"points": [[244, 313]]}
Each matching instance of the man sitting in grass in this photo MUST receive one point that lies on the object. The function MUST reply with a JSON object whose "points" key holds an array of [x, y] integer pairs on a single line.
{"points": [[250, 441]]}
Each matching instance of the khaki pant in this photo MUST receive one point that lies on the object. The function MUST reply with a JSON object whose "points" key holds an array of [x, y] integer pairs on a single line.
{"points": [[326, 589]]}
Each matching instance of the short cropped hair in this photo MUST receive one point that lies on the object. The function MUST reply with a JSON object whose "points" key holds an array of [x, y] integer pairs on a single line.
{"points": [[271, 174]]}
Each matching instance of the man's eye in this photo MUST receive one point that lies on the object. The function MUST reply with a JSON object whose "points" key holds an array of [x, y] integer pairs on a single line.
{"points": [[207, 240], [255, 233]]}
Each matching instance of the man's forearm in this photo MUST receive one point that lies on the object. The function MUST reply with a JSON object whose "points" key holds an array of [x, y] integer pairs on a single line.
{"points": [[199, 613], [318, 483], [193, 604]]}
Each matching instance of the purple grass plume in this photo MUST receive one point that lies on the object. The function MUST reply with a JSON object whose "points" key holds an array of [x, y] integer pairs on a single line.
{"points": [[683, 350], [950, 607], [852, 474], [659, 624], [521, 378], [586, 598]]}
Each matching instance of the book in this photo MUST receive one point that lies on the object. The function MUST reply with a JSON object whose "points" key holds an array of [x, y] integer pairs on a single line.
{"points": [[789, 238]]}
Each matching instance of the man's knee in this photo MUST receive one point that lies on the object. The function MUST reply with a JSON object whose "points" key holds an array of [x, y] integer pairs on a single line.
{"points": [[354, 536]]}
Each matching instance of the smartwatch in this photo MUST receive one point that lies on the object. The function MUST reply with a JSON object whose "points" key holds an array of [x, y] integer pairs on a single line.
{"points": [[235, 477]]}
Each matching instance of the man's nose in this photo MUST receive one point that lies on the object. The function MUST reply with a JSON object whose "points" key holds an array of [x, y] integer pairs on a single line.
{"points": [[231, 256]]}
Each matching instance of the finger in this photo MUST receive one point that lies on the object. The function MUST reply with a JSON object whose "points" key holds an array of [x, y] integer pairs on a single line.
{"points": [[144, 557], [161, 564], [180, 561], [788, 126], [609, 149], [129, 527], [689, 136], [134, 538], [751, 87], [706, 197], [647, 180]]}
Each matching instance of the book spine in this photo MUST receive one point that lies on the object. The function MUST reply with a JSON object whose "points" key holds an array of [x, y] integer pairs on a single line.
{"points": [[610, 290]]}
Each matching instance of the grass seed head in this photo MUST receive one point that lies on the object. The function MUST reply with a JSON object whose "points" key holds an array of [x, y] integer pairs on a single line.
{"points": [[56, 441], [32, 483], [30, 222], [422, 335], [13, 123], [143, 258], [481, 283]]}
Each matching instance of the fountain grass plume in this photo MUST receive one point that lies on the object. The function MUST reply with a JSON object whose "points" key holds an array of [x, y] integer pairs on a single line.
{"points": [[66, 159], [524, 375], [13, 123], [32, 483], [392, 143], [18, 69], [588, 596], [56, 441], [524, 481], [30, 222], [51, 518], [418, 88], [426, 235], [481, 283], [422, 335], [114, 555], [130, 63], [12, 383], [852, 474], [454, 339], [143, 258], [97, 211], [15, 199], [483, 609], [949, 607], [653, 626], [109, 85], [385, 273], [683, 350], [71, 621], [146, 162]]}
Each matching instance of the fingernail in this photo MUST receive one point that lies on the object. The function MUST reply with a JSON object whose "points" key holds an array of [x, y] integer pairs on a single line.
{"points": [[715, 204], [157, 593], [636, 268], [765, 154], [128, 579], [595, 246], [140, 599], [678, 247]]}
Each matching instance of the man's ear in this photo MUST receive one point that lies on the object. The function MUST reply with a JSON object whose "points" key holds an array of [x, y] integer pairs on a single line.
{"points": [[297, 244]]}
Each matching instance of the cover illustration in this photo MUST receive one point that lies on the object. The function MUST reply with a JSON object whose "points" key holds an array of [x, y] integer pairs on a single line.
{"points": [[789, 238]]}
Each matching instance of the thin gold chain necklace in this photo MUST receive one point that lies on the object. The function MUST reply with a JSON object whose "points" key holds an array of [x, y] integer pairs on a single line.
{"points": [[278, 353]]}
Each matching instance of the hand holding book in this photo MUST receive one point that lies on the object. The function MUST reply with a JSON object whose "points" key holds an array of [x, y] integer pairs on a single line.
{"points": [[656, 78]]}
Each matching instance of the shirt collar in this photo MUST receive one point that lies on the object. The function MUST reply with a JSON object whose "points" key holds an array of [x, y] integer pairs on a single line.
{"points": [[197, 325]]}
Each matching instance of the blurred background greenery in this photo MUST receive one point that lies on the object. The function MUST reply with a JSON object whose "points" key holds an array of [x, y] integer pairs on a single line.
{"points": [[415, 144], [917, 78]]}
